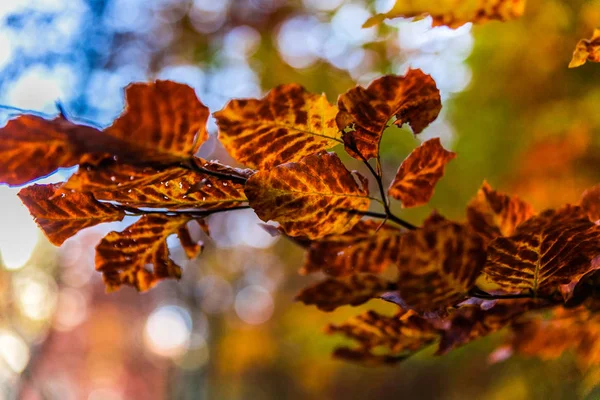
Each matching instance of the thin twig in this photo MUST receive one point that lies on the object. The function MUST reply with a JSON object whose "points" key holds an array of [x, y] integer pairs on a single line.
{"points": [[134, 212], [481, 294], [233, 178]]}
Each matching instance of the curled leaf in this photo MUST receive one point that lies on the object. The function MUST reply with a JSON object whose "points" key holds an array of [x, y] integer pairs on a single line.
{"points": [[590, 202], [313, 197], [287, 124], [587, 50], [62, 214], [351, 290], [547, 254], [493, 214], [412, 98], [416, 178], [453, 13], [368, 247], [438, 264], [139, 256]]}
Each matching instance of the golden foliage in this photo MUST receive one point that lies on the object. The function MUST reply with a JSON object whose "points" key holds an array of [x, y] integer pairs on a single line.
{"points": [[587, 50]]}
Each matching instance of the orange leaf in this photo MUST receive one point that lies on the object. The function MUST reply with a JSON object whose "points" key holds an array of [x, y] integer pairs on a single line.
{"points": [[62, 214], [32, 147], [163, 121], [493, 214], [351, 290], [590, 202], [413, 99], [313, 197], [400, 335], [419, 173], [287, 124], [368, 247], [139, 255], [438, 264], [587, 50], [453, 13], [547, 254]]}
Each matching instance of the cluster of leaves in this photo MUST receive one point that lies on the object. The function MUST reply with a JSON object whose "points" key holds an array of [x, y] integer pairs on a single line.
{"points": [[453, 282]]}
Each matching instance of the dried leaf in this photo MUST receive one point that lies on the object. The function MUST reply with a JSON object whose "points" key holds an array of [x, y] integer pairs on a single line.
{"points": [[62, 214], [416, 178], [453, 13], [351, 290], [590, 202], [548, 253], [163, 122], [313, 197], [493, 214], [368, 247], [412, 99], [287, 124], [438, 264], [139, 256], [400, 335], [32, 147], [587, 50], [208, 193]]}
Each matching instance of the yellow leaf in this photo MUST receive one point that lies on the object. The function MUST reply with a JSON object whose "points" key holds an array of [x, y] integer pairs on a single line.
{"points": [[587, 50]]}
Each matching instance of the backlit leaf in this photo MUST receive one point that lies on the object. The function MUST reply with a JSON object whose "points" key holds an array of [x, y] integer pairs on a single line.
{"points": [[351, 290], [400, 335], [413, 99], [32, 147], [547, 254], [416, 178], [287, 124], [368, 247], [453, 13], [163, 121], [590, 202], [587, 50], [62, 214], [313, 197], [493, 214], [438, 264], [139, 256]]}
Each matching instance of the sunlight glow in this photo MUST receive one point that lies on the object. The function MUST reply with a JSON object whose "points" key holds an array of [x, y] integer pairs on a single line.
{"points": [[19, 234], [167, 331], [13, 351]]}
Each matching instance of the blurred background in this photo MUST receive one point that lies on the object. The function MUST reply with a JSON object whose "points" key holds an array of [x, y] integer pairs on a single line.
{"points": [[229, 329]]}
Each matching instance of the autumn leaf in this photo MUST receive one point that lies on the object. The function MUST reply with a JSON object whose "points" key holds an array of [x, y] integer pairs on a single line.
{"points": [[61, 214], [351, 290], [412, 98], [400, 335], [190, 191], [548, 253], [587, 50], [139, 256], [163, 122], [32, 147], [493, 214], [417, 176], [368, 247], [453, 13], [288, 124], [590, 202], [438, 264], [313, 197]]}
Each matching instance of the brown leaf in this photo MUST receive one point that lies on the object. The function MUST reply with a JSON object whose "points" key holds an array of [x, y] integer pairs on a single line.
{"points": [[400, 335], [548, 253], [163, 122], [453, 13], [352, 290], [312, 198], [62, 214], [493, 214], [416, 178], [368, 247], [590, 202], [139, 256], [412, 99], [438, 264], [287, 124], [587, 50], [32, 147]]}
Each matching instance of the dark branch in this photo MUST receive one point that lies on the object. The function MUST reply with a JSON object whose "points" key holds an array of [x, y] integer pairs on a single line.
{"points": [[221, 175]]}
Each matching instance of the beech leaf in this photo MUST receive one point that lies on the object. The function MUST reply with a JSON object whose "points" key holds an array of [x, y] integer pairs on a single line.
{"points": [[587, 50]]}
